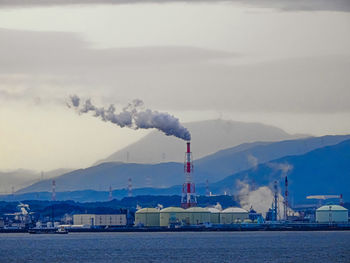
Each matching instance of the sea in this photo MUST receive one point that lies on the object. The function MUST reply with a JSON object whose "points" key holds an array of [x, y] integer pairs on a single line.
{"points": [[261, 246]]}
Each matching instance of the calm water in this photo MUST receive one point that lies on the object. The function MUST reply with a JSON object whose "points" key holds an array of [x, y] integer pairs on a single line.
{"points": [[178, 247]]}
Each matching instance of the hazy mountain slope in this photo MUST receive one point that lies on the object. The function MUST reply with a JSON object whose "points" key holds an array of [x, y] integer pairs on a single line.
{"points": [[214, 167], [207, 137], [21, 178], [104, 175], [322, 171], [245, 156]]}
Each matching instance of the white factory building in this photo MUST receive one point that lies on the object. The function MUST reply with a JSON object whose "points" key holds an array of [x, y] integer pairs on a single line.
{"points": [[100, 220], [332, 214]]}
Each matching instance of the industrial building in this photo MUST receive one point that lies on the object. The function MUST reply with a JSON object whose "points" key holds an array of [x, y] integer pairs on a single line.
{"points": [[332, 214], [100, 220], [191, 216]]}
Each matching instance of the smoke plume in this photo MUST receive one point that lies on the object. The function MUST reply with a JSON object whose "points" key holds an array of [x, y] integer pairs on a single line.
{"points": [[260, 199], [133, 116]]}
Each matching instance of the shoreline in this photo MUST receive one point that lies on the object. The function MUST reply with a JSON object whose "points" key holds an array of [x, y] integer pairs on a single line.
{"points": [[221, 228]]}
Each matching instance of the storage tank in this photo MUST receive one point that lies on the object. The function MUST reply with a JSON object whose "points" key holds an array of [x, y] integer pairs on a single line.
{"points": [[147, 217], [173, 215], [233, 215], [214, 215], [198, 215], [332, 214]]}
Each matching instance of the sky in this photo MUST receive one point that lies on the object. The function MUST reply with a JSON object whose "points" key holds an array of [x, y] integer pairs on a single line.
{"points": [[283, 63]]}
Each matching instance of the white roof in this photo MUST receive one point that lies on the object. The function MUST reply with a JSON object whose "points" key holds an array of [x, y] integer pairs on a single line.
{"points": [[332, 208], [213, 210], [172, 209], [197, 209], [234, 210], [147, 210]]}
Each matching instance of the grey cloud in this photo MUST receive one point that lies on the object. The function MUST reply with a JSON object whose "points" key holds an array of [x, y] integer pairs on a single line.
{"points": [[173, 78], [27, 51], [287, 5]]}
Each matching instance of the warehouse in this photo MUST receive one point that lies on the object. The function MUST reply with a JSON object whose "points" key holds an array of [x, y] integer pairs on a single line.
{"points": [[147, 217], [100, 220], [332, 214]]}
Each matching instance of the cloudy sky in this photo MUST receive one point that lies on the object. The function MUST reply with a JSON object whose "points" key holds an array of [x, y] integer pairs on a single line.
{"points": [[285, 63]]}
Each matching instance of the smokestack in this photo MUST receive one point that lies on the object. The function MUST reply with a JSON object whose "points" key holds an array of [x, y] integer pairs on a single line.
{"points": [[275, 198], [207, 192], [188, 198], [341, 201]]}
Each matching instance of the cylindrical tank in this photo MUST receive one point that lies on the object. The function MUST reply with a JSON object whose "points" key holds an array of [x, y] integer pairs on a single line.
{"points": [[233, 215], [147, 217], [198, 215], [332, 214], [173, 215], [214, 215]]}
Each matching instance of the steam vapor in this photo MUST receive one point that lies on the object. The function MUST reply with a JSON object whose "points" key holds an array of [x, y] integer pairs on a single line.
{"points": [[133, 116]]}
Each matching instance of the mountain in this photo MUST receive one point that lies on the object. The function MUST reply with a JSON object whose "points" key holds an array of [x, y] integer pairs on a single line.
{"points": [[21, 178], [208, 137], [214, 167], [324, 171], [249, 155]]}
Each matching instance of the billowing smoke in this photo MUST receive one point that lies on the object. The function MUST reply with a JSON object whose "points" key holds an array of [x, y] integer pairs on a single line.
{"points": [[133, 116], [259, 199]]}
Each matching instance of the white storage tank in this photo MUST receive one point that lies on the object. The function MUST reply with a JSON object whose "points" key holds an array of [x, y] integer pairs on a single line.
{"points": [[214, 215], [147, 217], [233, 215], [332, 214], [197, 215], [172, 215]]}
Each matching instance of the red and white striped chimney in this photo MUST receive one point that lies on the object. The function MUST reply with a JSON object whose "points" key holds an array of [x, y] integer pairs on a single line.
{"points": [[188, 198]]}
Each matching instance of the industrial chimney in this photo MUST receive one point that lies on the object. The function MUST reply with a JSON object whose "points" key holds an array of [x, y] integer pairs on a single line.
{"points": [[188, 198]]}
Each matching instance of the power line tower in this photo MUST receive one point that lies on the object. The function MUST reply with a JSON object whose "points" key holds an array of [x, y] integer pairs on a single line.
{"points": [[207, 192], [110, 195], [129, 188], [53, 196]]}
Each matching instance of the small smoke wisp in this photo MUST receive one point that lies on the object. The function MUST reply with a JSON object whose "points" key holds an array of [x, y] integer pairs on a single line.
{"points": [[253, 161], [284, 168], [133, 116]]}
